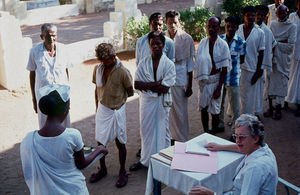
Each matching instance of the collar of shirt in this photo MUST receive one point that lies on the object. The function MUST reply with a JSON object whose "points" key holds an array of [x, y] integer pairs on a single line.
{"points": [[257, 153]]}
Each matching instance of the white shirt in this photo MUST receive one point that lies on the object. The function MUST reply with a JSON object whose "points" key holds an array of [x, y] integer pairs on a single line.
{"points": [[184, 44], [257, 174], [255, 42], [48, 70], [270, 44], [296, 20], [143, 50]]}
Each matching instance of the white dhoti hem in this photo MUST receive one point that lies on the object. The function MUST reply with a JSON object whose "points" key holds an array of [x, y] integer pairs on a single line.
{"points": [[206, 91], [43, 118], [179, 122], [110, 124], [294, 83], [277, 86], [249, 93], [260, 96], [154, 126]]}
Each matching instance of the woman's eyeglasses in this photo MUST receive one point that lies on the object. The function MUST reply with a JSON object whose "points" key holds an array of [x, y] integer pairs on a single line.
{"points": [[239, 137]]}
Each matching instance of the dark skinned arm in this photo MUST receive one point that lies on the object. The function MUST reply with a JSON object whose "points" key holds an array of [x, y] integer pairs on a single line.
{"points": [[96, 98], [129, 91], [156, 87], [259, 71], [217, 92], [242, 59], [32, 86], [81, 162], [189, 91], [67, 73]]}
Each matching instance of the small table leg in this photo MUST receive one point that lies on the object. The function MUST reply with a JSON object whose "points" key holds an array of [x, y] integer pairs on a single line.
{"points": [[157, 187]]}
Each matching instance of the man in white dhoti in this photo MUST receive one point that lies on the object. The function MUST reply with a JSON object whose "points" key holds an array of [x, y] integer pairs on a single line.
{"points": [[251, 69], [261, 13], [184, 64], [153, 78], [113, 86], [142, 47], [212, 62], [48, 64], [294, 82], [237, 47], [142, 50], [257, 173], [272, 11], [52, 156], [284, 32]]}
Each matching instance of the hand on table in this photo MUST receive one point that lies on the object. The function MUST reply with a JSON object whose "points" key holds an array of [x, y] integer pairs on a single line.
{"points": [[213, 146], [200, 190]]}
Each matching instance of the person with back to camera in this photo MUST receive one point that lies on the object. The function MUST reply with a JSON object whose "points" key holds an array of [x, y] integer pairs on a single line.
{"points": [[52, 156], [257, 173]]}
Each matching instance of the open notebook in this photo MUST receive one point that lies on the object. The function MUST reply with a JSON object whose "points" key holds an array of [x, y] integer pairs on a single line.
{"points": [[197, 147]]}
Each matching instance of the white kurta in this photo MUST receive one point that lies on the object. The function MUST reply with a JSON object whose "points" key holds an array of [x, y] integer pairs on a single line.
{"points": [[208, 83], [294, 82], [266, 64], [154, 108], [49, 166], [184, 63], [250, 94], [49, 71], [282, 58], [143, 50]]}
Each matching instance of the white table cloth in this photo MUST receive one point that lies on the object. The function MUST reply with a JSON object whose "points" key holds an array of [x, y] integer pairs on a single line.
{"points": [[183, 181]]}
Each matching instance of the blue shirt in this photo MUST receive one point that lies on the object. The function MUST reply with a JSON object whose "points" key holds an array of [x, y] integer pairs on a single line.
{"points": [[237, 47]]}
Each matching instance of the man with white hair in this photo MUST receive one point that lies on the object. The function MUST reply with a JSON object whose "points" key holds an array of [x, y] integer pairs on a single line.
{"points": [[284, 32], [48, 64], [257, 173]]}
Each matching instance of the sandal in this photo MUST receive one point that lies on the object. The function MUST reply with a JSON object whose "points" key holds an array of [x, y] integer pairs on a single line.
{"points": [[136, 166], [123, 179], [97, 176]]}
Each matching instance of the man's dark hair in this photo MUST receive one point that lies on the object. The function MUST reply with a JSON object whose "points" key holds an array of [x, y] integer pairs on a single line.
{"points": [[155, 15], [233, 19], [172, 14], [263, 8], [53, 105], [249, 9], [104, 50], [157, 34]]}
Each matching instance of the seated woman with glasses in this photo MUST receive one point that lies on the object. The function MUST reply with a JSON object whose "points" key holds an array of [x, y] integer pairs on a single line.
{"points": [[52, 156], [257, 173]]}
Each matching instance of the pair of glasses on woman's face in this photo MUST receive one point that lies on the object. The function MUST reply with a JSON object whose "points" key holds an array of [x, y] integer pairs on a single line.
{"points": [[240, 137]]}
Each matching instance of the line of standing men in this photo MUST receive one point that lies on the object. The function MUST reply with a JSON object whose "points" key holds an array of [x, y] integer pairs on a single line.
{"points": [[164, 88]]}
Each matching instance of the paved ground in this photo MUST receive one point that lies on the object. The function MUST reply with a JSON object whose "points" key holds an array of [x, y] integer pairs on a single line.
{"points": [[89, 26]]}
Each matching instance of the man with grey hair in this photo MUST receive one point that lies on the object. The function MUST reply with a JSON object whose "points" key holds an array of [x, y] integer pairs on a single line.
{"points": [[48, 64], [257, 173]]}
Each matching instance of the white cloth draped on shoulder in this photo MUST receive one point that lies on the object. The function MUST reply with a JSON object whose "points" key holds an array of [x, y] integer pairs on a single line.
{"points": [[110, 124], [154, 108], [48, 163], [208, 83]]}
